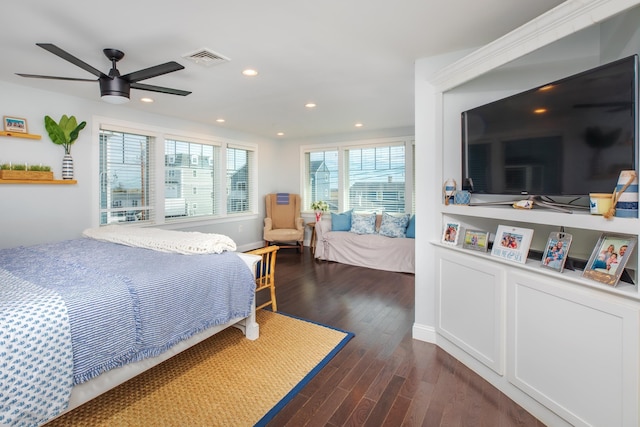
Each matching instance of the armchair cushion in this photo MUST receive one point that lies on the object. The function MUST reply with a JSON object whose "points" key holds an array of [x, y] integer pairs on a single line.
{"points": [[283, 222]]}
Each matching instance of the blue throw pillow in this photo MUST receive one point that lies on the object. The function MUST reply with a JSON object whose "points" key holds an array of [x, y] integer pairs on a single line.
{"points": [[394, 225], [341, 221], [411, 228], [363, 223]]}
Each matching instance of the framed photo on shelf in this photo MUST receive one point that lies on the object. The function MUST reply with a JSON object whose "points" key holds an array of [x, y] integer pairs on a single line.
{"points": [[609, 257], [512, 243], [477, 240], [15, 124], [451, 233], [556, 251]]}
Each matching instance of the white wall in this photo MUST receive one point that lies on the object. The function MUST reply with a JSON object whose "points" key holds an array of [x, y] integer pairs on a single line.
{"points": [[31, 214]]}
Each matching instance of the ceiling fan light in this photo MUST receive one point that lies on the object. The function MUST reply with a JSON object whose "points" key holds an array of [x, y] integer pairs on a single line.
{"points": [[115, 99], [114, 90]]}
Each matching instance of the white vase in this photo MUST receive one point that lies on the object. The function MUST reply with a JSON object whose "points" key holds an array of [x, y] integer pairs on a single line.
{"points": [[67, 167]]}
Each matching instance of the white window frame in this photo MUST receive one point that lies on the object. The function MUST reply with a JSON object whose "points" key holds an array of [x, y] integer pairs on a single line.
{"points": [[159, 135], [342, 147]]}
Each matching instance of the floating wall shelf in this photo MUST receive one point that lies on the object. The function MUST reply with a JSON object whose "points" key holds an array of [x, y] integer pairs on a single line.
{"points": [[20, 135], [53, 181]]}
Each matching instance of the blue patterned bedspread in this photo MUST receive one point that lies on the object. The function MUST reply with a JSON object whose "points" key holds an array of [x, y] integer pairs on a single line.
{"points": [[126, 304], [36, 359]]}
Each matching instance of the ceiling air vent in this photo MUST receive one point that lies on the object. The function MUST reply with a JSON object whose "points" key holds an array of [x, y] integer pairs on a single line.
{"points": [[206, 57]]}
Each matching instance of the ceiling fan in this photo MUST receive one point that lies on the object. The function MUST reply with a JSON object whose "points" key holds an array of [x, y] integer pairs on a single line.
{"points": [[114, 88]]}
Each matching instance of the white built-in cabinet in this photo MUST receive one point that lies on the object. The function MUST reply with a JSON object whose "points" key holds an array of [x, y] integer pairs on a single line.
{"points": [[564, 347]]}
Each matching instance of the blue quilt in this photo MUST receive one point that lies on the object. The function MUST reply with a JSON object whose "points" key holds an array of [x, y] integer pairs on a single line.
{"points": [[126, 304]]}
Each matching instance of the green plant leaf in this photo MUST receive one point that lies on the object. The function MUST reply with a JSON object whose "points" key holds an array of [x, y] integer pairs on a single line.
{"points": [[65, 132]]}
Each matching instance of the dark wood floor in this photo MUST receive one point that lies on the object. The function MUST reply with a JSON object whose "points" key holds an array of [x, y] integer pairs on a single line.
{"points": [[382, 377]]}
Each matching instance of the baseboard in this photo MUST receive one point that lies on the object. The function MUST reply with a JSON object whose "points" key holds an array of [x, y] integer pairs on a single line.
{"points": [[424, 333], [250, 246]]}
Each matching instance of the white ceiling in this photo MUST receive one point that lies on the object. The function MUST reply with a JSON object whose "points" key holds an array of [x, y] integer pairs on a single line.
{"points": [[353, 58]]}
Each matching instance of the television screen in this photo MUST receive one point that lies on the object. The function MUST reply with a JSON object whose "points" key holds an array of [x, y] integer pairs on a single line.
{"points": [[570, 137]]}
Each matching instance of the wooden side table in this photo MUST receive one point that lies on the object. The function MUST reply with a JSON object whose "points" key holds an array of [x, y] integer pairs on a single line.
{"points": [[312, 242]]}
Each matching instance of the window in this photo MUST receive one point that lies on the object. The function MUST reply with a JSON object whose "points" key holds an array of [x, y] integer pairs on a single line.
{"points": [[368, 176], [144, 172], [126, 174], [239, 170], [322, 178], [375, 177], [190, 185]]}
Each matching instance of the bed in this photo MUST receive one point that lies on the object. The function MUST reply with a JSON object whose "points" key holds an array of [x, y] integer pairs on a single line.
{"points": [[81, 316]]}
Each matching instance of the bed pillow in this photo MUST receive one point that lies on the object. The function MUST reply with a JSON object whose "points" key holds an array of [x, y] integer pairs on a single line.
{"points": [[411, 227], [341, 221], [362, 223], [394, 225]]}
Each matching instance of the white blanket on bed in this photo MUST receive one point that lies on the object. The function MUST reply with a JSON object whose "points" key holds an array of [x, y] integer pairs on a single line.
{"points": [[182, 242]]}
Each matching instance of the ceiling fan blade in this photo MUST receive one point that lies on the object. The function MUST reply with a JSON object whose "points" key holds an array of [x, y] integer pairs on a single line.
{"points": [[158, 70], [68, 57], [160, 89], [37, 76]]}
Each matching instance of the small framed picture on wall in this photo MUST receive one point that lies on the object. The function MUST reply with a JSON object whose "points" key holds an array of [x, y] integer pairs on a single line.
{"points": [[15, 124], [451, 233]]}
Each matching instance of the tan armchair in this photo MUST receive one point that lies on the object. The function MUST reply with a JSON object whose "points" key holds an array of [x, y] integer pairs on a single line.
{"points": [[283, 223]]}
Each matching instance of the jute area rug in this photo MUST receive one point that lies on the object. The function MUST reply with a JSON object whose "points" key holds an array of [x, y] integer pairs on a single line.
{"points": [[225, 380]]}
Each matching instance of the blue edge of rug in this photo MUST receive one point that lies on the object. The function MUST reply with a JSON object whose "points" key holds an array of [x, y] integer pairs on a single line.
{"points": [[295, 390]]}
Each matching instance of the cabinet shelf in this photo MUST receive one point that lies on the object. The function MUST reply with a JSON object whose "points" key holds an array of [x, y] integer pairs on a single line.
{"points": [[623, 289], [578, 219], [20, 135], [54, 181]]}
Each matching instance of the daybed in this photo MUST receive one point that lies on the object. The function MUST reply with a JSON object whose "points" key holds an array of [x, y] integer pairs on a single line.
{"points": [[82, 316], [368, 240]]}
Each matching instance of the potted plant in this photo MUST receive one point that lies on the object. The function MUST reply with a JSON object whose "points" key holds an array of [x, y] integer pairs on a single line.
{"points": [[64, 133], [25, 172], [319, 208]]}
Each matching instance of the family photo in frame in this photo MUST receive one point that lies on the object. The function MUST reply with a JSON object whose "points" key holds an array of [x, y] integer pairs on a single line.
{"points": [[512, 243], [451, 233], [477, 240], [609, 257], [556, 251]]}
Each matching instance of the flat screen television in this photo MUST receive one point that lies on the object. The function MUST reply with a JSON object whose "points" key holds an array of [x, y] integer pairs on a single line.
{"points": [[570, 137]]}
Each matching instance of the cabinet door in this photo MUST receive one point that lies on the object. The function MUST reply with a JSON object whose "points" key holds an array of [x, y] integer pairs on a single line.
{"points": [[470, 306], [574, 351]]}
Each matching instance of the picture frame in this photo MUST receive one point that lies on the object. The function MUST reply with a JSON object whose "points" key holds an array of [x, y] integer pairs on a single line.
{"points": [[557, 250], [451, 233], [609, 257], [477, 240], [512, 243], [15, 124]]}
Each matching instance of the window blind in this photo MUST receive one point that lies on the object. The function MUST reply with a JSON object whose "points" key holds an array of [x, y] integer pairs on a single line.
{"points": [[191, 188], [240, 188], [375, 178], [126, 177]]}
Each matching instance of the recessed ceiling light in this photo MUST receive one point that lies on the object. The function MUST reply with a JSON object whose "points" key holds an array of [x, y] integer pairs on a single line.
{"points": [[250, 72], [540, 110], [359, 125], [146, 99], [310, 105], [280, 134], [220, 120]]}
